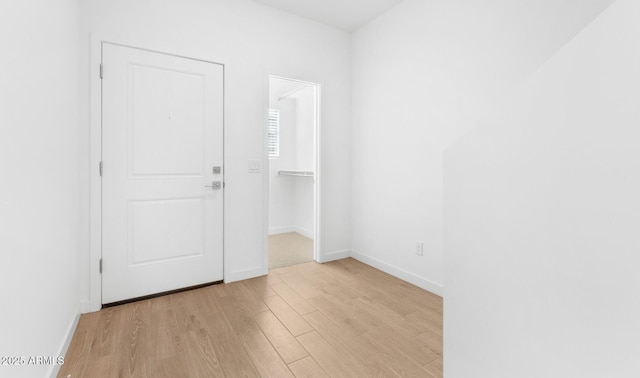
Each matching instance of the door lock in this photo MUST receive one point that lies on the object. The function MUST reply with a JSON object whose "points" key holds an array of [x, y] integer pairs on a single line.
{"points": [[214, 185]]}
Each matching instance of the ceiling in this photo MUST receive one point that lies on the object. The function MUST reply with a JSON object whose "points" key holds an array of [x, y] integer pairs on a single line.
{"points": [[347, 15]]}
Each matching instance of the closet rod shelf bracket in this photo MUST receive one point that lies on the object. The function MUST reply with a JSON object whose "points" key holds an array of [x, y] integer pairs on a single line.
{"points": [[296, 173]]}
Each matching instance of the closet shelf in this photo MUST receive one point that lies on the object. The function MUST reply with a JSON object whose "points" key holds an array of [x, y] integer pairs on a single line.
{"points": [[296, 173]]}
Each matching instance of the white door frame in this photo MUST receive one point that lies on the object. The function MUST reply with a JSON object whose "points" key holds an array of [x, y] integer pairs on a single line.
{"points": [[94, 302], [318, 255]]}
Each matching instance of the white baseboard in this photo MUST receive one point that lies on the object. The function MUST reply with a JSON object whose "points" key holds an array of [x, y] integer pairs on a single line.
{"points": [[55, 369], [303, 232], [281, 230], [402, 274], [332, 256], [286, 229]]}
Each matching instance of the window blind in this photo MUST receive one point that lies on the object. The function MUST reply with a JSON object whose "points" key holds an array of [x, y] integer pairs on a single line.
{"points": [[273, 135]]}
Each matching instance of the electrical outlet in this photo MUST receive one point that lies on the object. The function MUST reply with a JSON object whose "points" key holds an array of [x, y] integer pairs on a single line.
{"points": [[419, 248]]}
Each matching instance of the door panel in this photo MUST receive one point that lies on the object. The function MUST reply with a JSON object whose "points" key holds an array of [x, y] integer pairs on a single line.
{"points": [[162, 135], [157, 146], [157, 232]]}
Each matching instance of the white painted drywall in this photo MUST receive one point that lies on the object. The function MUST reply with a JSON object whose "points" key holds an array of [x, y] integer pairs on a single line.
{"points": [[39, 206], [303, 207], [305, 161], [422, 73], [542, 212], [253, 41], [305, 128]]}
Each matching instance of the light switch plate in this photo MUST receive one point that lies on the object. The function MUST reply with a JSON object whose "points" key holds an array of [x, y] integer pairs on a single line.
{"points": [[255, 166]]}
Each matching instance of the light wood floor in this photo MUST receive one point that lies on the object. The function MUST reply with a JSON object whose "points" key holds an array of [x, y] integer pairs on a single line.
{"points": [[289, 249], [311, 320]]}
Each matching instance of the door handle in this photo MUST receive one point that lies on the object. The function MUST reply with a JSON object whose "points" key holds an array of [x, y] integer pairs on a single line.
{"points": [[214, 185]]}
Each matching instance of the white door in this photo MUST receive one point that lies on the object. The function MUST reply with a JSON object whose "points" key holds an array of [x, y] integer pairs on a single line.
{"points": [[162, 141]]}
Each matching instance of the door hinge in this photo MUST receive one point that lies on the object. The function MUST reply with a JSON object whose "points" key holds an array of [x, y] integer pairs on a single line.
{"points": [[100, 266], [100, 169], [101, 71]]}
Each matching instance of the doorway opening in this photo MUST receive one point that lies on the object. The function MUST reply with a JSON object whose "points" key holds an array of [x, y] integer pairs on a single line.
{"points": [[293, 157]]}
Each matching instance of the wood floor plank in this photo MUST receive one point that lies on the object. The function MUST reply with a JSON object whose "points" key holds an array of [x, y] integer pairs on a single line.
{"points": [[225, 341], [262, 354], [307, 368], [389, 317], [340, 315], [293, 299], [241, 291], [260, 287], [273, 277], [393, 304], [287, 315], [371, 314], [80, 346], [395, 359], [334, 363], [284, 342], [340, 337], [105, 366], [424, 301], [136, 348], [381, 365], [428, 320], [431, 341], [167, 339], [233, 358], [435, 368], [375, 278], [303, 284], [175, 366], [387, 339], [304, 268], [341, 318], [110, 328], [378, 367], [375, 292], [200, 348], [336, 288]]}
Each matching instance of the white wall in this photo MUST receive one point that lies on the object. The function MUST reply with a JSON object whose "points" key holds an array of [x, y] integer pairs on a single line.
{"points": [[542, 212], [422, 73], [282, 188], [253, 41], [305, 161], [303, 206], [39, 206], [305, 129]]}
